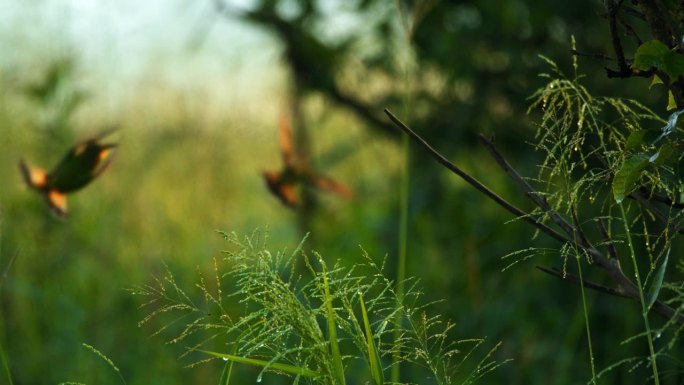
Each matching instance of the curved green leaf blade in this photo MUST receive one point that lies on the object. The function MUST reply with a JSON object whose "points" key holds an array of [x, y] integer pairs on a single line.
{"points": [[338, 367], [663, 155], [658, 281], [650, 54], [285, 368], [373, 357], [627, 175]]}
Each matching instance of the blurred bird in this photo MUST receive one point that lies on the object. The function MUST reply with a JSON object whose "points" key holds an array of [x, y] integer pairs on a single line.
{"points": [[295, 171], [80, 166]]}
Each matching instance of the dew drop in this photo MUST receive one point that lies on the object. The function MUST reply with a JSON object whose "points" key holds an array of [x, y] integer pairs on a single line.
{"points": [[259, 378], [225, 358]]}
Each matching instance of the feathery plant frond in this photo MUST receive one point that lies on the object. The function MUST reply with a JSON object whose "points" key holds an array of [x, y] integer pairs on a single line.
{"points": [[613, 160], [314, 326], [577, 130]]}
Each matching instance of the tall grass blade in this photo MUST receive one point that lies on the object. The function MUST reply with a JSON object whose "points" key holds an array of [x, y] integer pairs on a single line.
{"points": [[284, 368], [225, 374], [338, 367], [373, 357]]}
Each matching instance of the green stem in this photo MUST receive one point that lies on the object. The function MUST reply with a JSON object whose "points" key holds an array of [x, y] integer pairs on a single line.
{"points": [[401, 263], [403, 210], [644, 310], [586, 320]]}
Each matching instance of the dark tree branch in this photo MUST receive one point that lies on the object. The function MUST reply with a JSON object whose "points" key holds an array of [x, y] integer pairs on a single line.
{"points": [[660, 199], [596, 55], [606, 239], [588, 284], [477, 184], [611, 10], [526, 187]]}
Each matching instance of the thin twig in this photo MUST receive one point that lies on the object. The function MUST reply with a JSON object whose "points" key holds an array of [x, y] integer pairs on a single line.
{"points": [[583, 237], [596, 55], [526, 187], [661, 217], [477, 184], [611, 10], [606, 239], [661, 199], [588, 284]]}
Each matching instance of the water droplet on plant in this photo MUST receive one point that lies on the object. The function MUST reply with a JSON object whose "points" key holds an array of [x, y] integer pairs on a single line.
{"points": [[259, 378], [225, 358]]}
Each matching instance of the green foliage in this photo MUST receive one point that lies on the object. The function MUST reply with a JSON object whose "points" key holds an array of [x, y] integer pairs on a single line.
{"points": [[627, 175], [655, 54], [280, 328]]}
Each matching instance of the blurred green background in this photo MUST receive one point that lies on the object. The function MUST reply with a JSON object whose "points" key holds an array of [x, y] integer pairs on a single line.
{"points": [[195, 89]]}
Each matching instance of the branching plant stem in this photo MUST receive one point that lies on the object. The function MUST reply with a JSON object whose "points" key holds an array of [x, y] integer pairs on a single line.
{"points": [[624, 286]]}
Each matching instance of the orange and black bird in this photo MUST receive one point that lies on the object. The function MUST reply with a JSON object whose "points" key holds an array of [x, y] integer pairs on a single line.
{"points": [[296, 172], [81, 165]]}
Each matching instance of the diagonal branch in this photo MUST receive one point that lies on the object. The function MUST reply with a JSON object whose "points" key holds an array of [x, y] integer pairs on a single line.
{"points": [[476, 183], [611, 10], [537, 198], [586, 283], [606, 239]]}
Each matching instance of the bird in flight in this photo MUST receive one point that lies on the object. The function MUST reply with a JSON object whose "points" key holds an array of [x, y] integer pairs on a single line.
{"points": [[295, 171], [81, 165]]}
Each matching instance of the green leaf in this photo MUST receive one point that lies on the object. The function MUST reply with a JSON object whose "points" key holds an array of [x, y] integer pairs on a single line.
{"points": [[373, 357], [673, 65], [658, 281], [663, 155], [656, 80], [635, 140], [640, 137], [650, 54], [655, 54], [627, 175], [671, 103], [285, 368]]}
